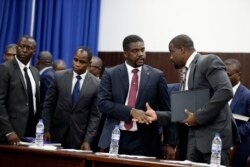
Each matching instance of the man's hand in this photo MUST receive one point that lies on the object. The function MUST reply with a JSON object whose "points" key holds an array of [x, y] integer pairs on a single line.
{"points": [[13, 139], [47, 136], [85, 146], [139, 116], [190, 120], [150, 113], [169, 152]]}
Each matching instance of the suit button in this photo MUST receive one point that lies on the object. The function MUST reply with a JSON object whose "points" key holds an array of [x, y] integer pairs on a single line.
{"points": [[27, 104]]}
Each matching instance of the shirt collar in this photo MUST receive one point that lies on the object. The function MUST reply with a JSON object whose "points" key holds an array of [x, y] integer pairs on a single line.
{"points": [[130, 68], [190, 59], [83, 75], [44, 69], [236, 87], [21, 65]]}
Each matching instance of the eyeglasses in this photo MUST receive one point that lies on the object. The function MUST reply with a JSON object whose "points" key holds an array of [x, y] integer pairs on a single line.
{"points": [[99, 68]]}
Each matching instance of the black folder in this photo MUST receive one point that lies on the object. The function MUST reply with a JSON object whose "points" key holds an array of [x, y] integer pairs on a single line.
{"points": [[190, 99]]}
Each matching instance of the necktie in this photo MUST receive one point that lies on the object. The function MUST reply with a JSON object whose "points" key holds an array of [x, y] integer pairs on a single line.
{"points": [[132, 95], [29, 128], [29, 88], [183, 73], [76, 89]]}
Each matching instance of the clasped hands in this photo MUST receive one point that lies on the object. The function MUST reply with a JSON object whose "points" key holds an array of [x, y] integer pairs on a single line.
{"points": [[144, 117]]}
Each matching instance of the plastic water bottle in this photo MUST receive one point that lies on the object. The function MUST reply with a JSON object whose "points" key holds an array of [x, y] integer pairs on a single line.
{"points": [[39, 133], [216, 151], [115, 138]]}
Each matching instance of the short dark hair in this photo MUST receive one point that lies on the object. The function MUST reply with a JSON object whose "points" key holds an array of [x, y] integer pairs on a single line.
{"points": [[81, 49], [12, 45], [182, 41], [130, 39], [234, 62], [27, 37]]}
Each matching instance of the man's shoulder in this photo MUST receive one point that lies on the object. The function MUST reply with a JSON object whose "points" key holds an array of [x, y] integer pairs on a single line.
{"points": [[151, 69], [95, 80], [244, 90], [63, 73]]}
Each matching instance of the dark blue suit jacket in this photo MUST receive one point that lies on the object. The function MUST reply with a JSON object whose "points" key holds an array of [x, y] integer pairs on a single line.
{"points": [[112, 96], [241, 105], [45, 81]]}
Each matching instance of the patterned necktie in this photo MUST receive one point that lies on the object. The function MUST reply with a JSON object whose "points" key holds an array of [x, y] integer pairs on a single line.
{"points": [[132, 95], [183, 73], [76, 89]]}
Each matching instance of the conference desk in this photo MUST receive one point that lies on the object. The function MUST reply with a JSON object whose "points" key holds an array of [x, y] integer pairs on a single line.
{"points": [[14, 156]]}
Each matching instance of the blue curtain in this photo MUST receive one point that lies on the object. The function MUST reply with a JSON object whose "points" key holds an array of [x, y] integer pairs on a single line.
{"points": [[15, 21], [61, 26]]}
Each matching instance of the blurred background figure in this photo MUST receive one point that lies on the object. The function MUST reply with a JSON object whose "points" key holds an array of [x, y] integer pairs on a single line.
{"points": [[9, 52], [59, 65], [44, 65], [239, 104], [96, 67]]}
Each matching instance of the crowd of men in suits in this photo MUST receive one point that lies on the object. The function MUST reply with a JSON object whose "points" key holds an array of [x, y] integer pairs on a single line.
{"points": [[133, 95]]}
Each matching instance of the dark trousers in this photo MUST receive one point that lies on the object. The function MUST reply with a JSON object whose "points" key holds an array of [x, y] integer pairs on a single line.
{"points": [[196, 156], [130, 143], [182, 140]]}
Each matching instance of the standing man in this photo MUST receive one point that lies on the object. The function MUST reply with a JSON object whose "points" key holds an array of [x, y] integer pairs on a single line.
{"points": [[240, 104], [19, 94], [204, 72], [44, 65], [70, 111], [122, 101]]}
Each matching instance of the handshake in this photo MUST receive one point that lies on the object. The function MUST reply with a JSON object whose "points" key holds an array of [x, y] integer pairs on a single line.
{"points": [[144, 117]]}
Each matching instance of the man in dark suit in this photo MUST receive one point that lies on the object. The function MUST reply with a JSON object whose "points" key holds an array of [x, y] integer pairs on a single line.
{"points": [[69, 119], [204, 72], [240, 104], [44, 65], [19, 94], [140, 139]]}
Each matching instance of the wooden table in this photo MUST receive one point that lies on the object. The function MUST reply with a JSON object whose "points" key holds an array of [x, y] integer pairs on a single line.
{"points": [[14, 156], [93, 160]]}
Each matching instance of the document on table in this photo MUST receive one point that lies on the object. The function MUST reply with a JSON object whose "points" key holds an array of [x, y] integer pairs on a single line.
{"points": [[125, 155], [75, 150]]}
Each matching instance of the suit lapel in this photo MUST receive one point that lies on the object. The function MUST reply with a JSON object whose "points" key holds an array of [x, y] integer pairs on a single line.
{"points": [[236, 97], [68, 84], [192, 72], [145, 75], [36, 78], [85, 85], [20, 75], [123, 76]]}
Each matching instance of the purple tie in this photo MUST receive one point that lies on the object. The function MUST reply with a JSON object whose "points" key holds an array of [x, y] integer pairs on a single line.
{"points": [[132, 95]]}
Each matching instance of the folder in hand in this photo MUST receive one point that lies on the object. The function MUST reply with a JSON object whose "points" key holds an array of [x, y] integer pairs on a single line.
{"points": [[190, 99]]}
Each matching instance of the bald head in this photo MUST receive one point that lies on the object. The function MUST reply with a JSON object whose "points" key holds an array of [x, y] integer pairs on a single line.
{"points": [[44, 59], [96, 66], [59, 65]]}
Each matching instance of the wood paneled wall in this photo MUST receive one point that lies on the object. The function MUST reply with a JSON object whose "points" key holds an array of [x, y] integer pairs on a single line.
{"points": [[161, 61]]}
